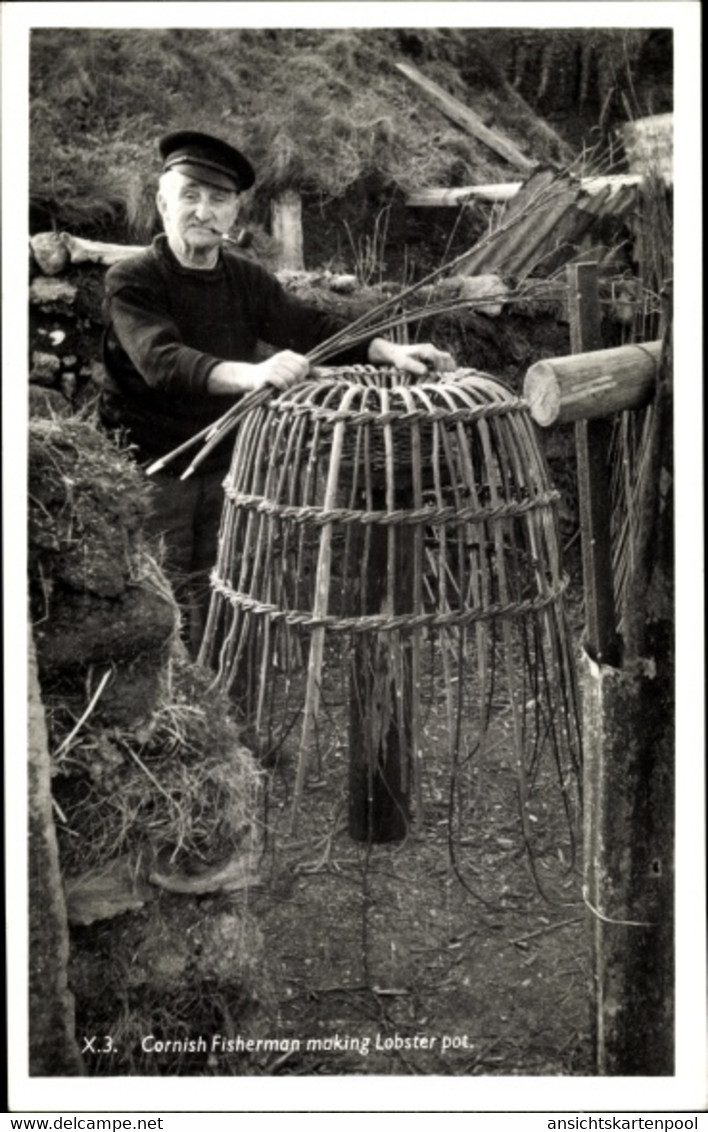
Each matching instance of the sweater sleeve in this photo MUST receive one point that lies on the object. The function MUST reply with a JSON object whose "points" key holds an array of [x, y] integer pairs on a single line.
{"points": [[139, 315]]}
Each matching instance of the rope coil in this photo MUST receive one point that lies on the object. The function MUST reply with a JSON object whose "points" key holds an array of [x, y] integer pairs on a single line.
{"points": [[384, 623]]}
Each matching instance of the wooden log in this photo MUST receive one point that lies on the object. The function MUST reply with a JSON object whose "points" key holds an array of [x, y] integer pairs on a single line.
{"points": [[462, 116], [54, 251], [92, 251], [596, 384], [286, 229]]}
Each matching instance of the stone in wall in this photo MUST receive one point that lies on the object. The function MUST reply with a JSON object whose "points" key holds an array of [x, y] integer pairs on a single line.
{"points": [[65, 326]]}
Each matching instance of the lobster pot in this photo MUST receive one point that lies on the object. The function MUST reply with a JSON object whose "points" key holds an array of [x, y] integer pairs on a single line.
{"points": [[388, 583]]}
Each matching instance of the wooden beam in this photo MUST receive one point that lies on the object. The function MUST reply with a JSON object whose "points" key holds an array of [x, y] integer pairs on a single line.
{"points": [[452, 198], [462, 116], [438, 197], [596, 384]]}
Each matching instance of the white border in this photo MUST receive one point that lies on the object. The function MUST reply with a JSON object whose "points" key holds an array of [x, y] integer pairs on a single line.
{"points": [[686, 1091]]}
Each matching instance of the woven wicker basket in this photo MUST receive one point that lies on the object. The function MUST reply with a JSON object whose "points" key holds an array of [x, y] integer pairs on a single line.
{"points": [[363, 506]]}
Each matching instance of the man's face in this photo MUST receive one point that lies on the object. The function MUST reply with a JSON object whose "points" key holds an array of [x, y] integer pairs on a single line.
{"points": [[195, 215]]}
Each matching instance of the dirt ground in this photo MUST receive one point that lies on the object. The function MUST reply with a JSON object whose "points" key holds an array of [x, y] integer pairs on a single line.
{"points": [[454, 952], [438, 955], [387, 952]]}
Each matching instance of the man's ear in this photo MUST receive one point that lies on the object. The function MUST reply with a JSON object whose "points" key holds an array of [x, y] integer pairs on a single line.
{"points": [[160, 202]]}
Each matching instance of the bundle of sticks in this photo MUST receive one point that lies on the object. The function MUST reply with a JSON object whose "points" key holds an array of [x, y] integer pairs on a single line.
{"points": [[381, 319]]}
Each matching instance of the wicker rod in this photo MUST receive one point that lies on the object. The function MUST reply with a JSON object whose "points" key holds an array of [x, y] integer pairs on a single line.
{"points": [[418, 558], [319, 612]]}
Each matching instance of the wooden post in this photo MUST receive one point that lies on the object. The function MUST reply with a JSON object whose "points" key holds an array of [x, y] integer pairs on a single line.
{"points": [[286, 229], [628, 777], [379, 701], [592, 444], [628, 865]]}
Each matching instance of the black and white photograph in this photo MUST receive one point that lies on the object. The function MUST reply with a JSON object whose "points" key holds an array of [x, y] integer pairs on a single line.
{"points": [[353, 561]]}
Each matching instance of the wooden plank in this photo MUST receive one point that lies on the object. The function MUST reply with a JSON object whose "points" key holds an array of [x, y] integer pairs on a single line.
{"points": [[596, 384], [462, 116]]}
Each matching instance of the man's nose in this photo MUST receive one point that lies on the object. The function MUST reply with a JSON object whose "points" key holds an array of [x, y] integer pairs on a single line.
{"points": [[203, 209]]}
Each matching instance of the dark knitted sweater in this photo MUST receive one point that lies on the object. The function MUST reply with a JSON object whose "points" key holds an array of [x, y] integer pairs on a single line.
{"points": [[169, 325]]}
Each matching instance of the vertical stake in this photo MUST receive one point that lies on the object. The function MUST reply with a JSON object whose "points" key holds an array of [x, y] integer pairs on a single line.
{"points": [[592, 446], [380, 746]]}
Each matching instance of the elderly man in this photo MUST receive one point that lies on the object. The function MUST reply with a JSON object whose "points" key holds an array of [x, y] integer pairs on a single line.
{"points": [[184, 319]]}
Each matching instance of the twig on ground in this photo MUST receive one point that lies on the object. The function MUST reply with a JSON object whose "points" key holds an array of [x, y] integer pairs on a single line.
{"points": [[547, 928]]}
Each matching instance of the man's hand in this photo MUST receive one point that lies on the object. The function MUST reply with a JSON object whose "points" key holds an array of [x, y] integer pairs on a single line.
{"points": [[281, 371], [417, 359]]}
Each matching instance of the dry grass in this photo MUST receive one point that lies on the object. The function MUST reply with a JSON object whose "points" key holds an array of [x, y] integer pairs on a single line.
{"points": [[183, 787]]}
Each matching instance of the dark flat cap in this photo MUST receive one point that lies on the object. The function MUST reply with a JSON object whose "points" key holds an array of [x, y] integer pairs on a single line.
{"points": [[206, 159]]}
